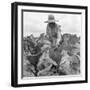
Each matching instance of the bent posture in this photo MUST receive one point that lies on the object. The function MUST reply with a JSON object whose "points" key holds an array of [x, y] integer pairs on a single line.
{"points": [[53, 30]]}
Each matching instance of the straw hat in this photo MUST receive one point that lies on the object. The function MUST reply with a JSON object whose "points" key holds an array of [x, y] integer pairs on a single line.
{"points": [[51, 19]]}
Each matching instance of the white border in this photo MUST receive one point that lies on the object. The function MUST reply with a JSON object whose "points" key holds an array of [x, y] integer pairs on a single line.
{"points": [[53, 78]]}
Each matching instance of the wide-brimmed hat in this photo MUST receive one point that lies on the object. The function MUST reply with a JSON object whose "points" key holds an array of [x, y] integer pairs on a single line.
{"points": [[51, 18]]}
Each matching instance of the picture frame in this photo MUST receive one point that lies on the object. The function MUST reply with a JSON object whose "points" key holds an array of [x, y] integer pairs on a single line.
{"points": [[28, 19]]}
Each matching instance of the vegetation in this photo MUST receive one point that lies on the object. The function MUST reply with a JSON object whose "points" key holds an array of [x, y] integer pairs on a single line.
{"points": [[32, 51]]}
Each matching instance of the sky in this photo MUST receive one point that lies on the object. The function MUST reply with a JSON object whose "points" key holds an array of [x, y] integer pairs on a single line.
{"points": [[34, 23]]}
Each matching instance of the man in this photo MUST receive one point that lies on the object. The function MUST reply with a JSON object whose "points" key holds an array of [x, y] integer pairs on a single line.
{"points": [[53, 30]]}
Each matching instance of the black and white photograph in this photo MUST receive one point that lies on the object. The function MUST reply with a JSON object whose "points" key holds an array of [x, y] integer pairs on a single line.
{"points": [[51, 47], [51, 44]]}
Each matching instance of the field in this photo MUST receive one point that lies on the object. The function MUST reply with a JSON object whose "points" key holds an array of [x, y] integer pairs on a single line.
{"points": [[40, 58]]}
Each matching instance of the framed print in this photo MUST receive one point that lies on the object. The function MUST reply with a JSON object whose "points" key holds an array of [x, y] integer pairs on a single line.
{"points": [[49, 44]]}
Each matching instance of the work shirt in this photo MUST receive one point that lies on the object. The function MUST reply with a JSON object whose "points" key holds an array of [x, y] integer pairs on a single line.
{"points": [[53, 32]]}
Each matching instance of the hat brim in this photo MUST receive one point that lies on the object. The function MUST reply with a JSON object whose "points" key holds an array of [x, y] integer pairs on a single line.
{"points": [[50, 21]]}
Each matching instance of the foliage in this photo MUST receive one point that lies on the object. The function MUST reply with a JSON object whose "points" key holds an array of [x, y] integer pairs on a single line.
{"points": [[32, 50]]}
